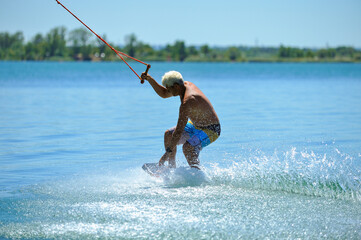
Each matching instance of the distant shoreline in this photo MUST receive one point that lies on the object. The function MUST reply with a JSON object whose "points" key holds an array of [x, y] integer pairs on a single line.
{"points": [[159, 61], [80, 45]]}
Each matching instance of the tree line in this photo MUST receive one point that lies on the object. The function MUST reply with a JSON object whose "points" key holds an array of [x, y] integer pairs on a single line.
{"points": [[79, 44]]}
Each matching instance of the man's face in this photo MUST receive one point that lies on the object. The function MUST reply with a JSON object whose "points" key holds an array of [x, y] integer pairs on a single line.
{"points": [[173, 89]]}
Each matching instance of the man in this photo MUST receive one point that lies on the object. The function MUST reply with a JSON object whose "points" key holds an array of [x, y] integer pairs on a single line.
{"points": [[198, 124]]}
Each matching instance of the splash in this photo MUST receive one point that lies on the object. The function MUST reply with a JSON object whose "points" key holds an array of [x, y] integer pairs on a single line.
{"points": [[185, 177], [252, 198], [300, 172]]}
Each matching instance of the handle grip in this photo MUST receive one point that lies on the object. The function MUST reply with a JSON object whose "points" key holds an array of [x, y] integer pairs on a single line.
{"points": [[146, 72]]}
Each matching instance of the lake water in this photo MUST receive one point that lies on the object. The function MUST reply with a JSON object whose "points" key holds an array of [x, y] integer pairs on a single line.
{"points": [[73, 138]]}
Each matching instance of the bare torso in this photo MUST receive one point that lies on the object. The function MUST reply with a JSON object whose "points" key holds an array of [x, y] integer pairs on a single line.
{"points": [[199, 108]]}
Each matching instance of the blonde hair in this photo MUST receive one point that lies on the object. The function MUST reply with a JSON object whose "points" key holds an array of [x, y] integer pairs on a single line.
{"points": [[172, 77]]}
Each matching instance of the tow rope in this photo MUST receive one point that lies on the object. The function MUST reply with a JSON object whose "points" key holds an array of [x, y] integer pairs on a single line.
{"points": [[119, 53]]}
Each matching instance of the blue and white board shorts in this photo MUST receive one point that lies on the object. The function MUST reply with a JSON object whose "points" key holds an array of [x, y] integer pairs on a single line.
{"points": [[199, 137]]}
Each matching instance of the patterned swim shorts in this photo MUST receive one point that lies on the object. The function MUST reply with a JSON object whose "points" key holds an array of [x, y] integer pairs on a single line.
{"points": [[199, 137]]}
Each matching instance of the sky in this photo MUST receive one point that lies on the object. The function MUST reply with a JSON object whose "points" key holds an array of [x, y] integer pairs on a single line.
{"points": [[295, 23]]}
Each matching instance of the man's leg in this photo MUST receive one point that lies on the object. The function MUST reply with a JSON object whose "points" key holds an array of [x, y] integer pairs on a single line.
{"points": [[191, 153], [167, 139]]}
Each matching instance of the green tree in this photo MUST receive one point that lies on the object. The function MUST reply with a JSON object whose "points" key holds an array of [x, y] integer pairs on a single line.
{"points": [[192, 51], [130, 44], [80, 46], [233, 53], [144, 50], [345, 51], [326, 53], [179, 51], [288, 52], [36, 48], [205, 49], [12, 46], [105, 52], [309, 54], [79, 37], [168, 52], [56, 43]]}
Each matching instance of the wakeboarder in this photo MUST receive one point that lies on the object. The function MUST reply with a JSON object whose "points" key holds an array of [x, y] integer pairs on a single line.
{"points": [[198, 124]]}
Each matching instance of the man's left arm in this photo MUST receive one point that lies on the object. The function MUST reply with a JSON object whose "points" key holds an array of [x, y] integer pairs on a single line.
{"points": [[182, 122]]}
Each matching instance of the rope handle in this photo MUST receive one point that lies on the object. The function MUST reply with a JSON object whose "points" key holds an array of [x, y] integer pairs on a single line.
{"points": [[146, 72]]}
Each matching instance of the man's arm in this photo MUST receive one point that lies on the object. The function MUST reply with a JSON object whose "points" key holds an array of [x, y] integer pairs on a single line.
{"points": [[182, 122], [160, 90]]}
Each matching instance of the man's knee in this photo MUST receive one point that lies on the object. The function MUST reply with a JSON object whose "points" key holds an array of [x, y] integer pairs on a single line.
{"points": [[168, 134], [187, 149], [191, 153]]}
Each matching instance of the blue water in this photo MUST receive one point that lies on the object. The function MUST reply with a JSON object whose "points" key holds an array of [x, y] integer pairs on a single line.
{"points": [[73, 138]]}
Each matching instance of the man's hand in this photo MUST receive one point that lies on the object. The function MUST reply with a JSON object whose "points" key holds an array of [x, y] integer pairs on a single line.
{"points": [[164, 158], [145, 76]]}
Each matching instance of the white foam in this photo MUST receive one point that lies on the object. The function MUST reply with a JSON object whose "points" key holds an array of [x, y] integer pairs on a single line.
{"points": [[184, 177]]}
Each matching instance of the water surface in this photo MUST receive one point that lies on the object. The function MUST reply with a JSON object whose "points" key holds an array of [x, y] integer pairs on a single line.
{"points": [[73, 138]]}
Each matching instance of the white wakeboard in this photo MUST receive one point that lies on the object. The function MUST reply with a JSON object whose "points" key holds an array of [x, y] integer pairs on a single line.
{"points": [[177, 177], [154, 169]]}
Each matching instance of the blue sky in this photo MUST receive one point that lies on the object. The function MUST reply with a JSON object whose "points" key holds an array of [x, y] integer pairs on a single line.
{"points": [[299, 23]]}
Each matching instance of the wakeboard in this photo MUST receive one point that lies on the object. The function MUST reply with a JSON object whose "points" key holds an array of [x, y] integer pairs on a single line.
{"points": [[154, 169]]}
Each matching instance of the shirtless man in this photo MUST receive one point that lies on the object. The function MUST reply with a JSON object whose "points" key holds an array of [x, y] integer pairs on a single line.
{"points": [[198, 124]]}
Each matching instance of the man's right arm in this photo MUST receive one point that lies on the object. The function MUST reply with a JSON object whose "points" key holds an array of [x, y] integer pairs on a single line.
{"points": [[160, 90]]}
